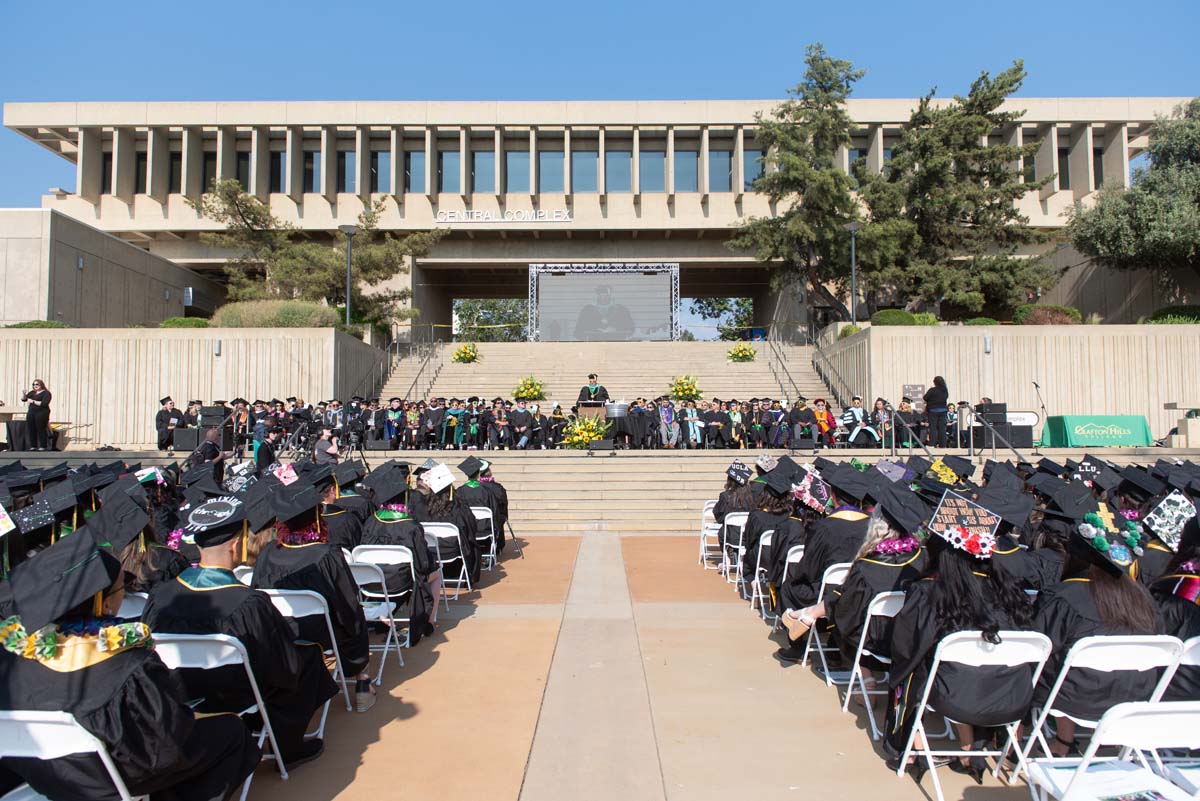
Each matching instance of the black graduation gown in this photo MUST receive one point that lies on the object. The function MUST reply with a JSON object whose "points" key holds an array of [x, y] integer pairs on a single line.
{"points": [[166, 435], [292, 677], [322, 568], [732, 501], [382, 530], [462, 518], [359, 505], [342, 527], [831, 540], [1066, 613], [788, 534], [846, 606], [1152, 564], [757, 524], [1035, 569], [158, 564], [521, 419], [138, 708], [500, 500], [475, 493], [1181, 618], [980, 696]]}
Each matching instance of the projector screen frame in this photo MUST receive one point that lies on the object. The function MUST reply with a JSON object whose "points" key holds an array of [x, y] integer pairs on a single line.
{"points": [[536, 270]]}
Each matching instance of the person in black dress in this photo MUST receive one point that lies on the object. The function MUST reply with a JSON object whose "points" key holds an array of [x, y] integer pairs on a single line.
{"points": [[37, 416], [1177, 594], [165, 422], [937, 411], [773, 507], [500, 503], [124, 696]]}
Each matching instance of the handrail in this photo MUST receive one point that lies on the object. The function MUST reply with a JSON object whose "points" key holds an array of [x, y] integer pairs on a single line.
{"points": [[427, 371], [388, 357], [833, 387], [775, 354]]}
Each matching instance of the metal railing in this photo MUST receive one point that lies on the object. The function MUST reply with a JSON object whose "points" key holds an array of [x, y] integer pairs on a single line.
{"points": [[373, 380], [838, 386], [429, 353], [777, 362]]}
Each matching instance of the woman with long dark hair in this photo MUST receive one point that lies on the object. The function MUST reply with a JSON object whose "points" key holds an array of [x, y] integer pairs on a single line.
{"points": [[37, 416], [937, 411], [961, 591], [737, 495], [1177, 594], [1096, 597], [771, 509]]}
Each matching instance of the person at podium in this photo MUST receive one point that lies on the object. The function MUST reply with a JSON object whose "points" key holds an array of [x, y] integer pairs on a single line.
{"points": [[592, 391]]}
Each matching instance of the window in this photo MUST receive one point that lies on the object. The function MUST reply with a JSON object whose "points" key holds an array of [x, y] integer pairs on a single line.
{"points": [[381, 171], [652, 171], [720, 171], [312, 171], [242, 168], [140, 165], [550, 171], [516, 171], [414, 171], [618, 171], [483, 171], [448, 164], [887, 155], [277, 169], [583, 170], [208, 173], [1064, 169], [347, 178], [1097, 168], [1028, 169], [687, 171], [106, 167], [175, 172], [752, 168]]}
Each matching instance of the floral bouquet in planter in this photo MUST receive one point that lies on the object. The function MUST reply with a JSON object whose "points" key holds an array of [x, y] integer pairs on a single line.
{"points": [[466, 353], [583, 431], [684, 388], [742, 352], [530, 389]]}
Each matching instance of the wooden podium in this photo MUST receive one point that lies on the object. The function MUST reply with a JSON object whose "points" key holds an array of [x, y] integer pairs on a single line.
{"points": [[593, 409]]}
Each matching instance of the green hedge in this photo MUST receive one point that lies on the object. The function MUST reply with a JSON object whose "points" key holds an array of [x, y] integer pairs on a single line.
{"points": [[848, 330], [184, 322], [1173, 319], [39, 324], [924, 318], [275, 314], [893, 317], [1176, 314], [1044, 312], [982, 321]]}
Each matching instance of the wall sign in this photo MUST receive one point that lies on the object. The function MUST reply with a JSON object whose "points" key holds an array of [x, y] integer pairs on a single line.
{"points": [[508, 216]]}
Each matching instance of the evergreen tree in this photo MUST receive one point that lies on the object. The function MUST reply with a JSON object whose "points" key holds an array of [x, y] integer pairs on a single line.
{"points": [[492, 319]]}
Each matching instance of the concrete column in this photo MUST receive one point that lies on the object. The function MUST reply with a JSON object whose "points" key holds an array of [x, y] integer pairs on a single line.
{"points": [[533, 161], [1012, 138], [1046, 160], [702, 168], [464, 156], [636, 177], [875, 149], [739, 161], [295, 163], [88, 164], [396, 143], [158, 164], [567, 161], [1116, 155], [227, 154], [328, 175], [430, 167], [260, 163], [124, 163], [670, 186], [843, 158], [193, 162], [600, 163], [1080, 156], [362, 161]]}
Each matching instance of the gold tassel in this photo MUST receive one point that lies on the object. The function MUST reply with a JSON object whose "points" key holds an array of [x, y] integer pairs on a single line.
{"points": [[245, 526], [141, 542], [98, 605]]}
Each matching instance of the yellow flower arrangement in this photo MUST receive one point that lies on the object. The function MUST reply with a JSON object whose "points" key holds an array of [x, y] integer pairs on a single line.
{"points": [[684, 388], [742, 352], [943, 472], [530, 388], [466, 353], [583, 431]]}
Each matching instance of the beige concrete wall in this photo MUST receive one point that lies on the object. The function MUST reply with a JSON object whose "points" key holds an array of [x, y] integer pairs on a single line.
{"points": [[24, 266], [1118, 296], [1112, 369], [108, 382]]}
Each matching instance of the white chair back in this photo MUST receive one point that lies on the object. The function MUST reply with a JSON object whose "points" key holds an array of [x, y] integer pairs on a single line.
{"points": [[298, 603], [707, 512], [1014, 648], [735, 520], [1191, 653], [482, 513], [132, 605], [51, 735], [383, 555], [244, 574], [365, 574], [1107, 653], [885, 604], [439, 531], [834, 576], [1150, 726]]}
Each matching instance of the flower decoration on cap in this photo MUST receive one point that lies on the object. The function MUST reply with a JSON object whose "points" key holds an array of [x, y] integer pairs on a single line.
{"points": [[766, 463], [943, 472]]}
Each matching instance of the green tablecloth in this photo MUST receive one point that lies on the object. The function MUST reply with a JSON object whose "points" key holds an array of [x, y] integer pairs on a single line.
{"points": [[1097, 431]]}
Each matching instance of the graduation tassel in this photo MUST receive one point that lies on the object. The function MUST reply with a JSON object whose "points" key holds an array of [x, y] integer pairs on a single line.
{"points": [[244, 527], [141, 542], [98, 605]]}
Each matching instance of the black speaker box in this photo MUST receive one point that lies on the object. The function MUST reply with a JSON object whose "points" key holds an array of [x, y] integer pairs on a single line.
{"points": [[983, 436], [804, 444], [186, 439], [377, 445], [209, 411], [226, 441], [601, 445], [1022, 436], [211, 420]]}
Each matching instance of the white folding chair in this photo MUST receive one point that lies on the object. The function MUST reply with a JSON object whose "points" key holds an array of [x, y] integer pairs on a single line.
{"points": [[347, 555], [51, 735], [244, 574], [1140, 652], [212, 651], [484, 513], [298, 604], [758, 585], [512, 536], [794, 555], [1190, 656], [1135, 727], [710, 530], [132, 605], [885, 604], [437, 533], [379, 603], [734, 521], [970, 649], [834, 576]]}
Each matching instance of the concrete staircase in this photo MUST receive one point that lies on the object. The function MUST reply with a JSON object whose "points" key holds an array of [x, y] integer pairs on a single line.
{"points": [[627, 369]]}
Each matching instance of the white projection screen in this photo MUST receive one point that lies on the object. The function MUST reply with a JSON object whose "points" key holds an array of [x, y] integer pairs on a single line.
{"points": [[601, 306]]}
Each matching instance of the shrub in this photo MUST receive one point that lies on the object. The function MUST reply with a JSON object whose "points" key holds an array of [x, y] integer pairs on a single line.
{"points": [[1172, 319], [848, 330], [1177, 314], [184, 322], [893, 317], [275, 314], [924, 318], [1023, 311], [39, 324], [1049, 315], [982, 321]]}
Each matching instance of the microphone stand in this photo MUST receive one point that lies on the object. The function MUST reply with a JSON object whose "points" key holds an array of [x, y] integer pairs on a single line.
{"points": [[1045, 414]]}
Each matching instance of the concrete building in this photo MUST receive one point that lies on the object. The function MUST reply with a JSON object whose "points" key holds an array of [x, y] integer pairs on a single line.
{"points": [[530, 182], [53, 267]]}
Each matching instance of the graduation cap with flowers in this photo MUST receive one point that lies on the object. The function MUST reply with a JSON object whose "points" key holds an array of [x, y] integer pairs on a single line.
{"points": [[965, 525], [1116, 553], [813, 492]]}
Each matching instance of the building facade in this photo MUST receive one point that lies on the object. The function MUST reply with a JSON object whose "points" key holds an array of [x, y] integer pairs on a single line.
{"points": [[525, 182]]}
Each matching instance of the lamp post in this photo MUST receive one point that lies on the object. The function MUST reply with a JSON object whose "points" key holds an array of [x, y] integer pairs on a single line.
{"points": [[852, 227], [349, 231]]}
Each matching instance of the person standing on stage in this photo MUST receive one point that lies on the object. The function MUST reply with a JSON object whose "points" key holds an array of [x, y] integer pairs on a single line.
{"points": [[265, 456], [937, 411], [592, 392], [37, 416], [165, 423]]}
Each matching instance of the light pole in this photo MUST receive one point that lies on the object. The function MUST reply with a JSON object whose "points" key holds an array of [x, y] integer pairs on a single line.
{"points": [[349, 231], [852, 227]]}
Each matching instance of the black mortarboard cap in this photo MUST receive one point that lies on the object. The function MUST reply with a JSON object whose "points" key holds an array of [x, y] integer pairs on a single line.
{"points": [[295, 501], [129, 486], [1075, 499], [118, 523], [24, 481], [471, 466], [963, 468], [164, 401], [1013, 505], [903, 508], [919, 465], [1052, 467], [11, 467], [60, 497], [70, 572], [348, 473], [789, 466], [739, 472], [1139, 484], [1116, 553], [778, 482], [428, 464], [215, 521], [319, 475], [260, 510], [1179, 476], [1045, 484], [198, 474], [1003, 476], [55, 473], [823, 464], [388, 483], [847, 482]]}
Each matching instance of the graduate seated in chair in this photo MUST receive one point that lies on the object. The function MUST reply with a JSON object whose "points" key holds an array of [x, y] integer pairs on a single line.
{"points": [[440, 505]]}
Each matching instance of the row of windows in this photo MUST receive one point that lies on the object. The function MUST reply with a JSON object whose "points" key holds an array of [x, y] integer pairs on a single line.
{"points": [[618, 171]]}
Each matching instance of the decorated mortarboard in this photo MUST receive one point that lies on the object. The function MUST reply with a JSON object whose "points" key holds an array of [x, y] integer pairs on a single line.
{"points": [[439, 478], [215, 521], [739, 472], [472, 466], [965, 525], [903, 508], [1010, 503], [117, 524], [1167, 519], [1116, 552], [151, 475], [64, 576], [859, 465], [892, 471], [34, 516], [813, 492], [1139, 484], [919, 465], [60, 497], [778, 482], [943, 472], [963, 468], [847, 482], [765, 463]]}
